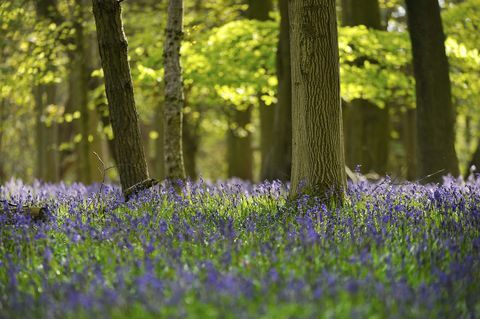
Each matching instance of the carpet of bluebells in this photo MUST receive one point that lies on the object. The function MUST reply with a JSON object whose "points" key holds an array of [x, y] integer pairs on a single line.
{"points": [[238, 250]]}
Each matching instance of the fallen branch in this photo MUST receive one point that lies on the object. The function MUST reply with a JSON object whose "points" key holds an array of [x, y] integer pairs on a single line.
{"points": [[37, 213]]}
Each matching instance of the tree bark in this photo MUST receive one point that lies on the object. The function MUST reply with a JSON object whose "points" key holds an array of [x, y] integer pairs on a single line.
{"points": [[260, 10], [191, 140], [239, 145], [318, 164], [475, 161], [112, 43], [435, 112], [174, 95], [45, 94], [366, 129], [410, 142], [3, 174], [267, 120], [280, 156], [78, 95], [160, 142]]}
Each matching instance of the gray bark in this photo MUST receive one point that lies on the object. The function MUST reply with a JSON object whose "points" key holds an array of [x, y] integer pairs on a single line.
{"points": [[174, 95], [318, 164], [113, 47]]}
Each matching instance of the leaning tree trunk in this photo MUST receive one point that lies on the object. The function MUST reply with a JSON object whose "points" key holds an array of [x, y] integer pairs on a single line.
{"points": [[367, 129], [279, 159], [318, 164], [435, 112], [174, 95], [131, 163]]}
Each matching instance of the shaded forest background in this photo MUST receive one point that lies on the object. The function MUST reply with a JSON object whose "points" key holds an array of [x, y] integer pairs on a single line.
{"points": [[54, 114]]}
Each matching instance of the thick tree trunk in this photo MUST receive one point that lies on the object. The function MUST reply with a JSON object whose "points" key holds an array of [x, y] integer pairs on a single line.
{"points": [[174, 95], [435, 113], [318, 164], [279, 159], [112, 43], [239, 144], [366, 128]]}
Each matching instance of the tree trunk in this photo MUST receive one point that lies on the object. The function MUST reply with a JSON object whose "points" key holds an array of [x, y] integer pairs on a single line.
{"points": [[112, 43], [174, 95], [3, 174], [260, 10], [410, 142], [239, 144], [435, 112], [78, 95], [475, 161], [280, 156], [318, 164], [367, 128], [191, 140], [160, 143], [44, 95], [267, 120]]}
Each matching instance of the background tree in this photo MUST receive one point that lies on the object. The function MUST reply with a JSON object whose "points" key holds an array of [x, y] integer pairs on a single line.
{"points": [[174, 94], [435, 113], [45, 97], [113, 48], [279, 158], [318, 164], [367, 130], [260, 10]]}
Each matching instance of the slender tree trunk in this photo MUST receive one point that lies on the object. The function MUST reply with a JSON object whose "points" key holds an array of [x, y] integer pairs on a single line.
{"points": [[191, 141], [112, 43], [3, 174], [435, 112], [78, 95], [410, 142], [260, 10], [267, 121], [475, 161], [160, 143], [47, 140], [367, 128], [174, 95], [239, 144], [279, 159], [318, 164]]}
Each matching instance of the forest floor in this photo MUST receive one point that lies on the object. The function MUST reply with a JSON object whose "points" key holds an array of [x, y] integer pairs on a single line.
{"points": [[233, 249]]}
